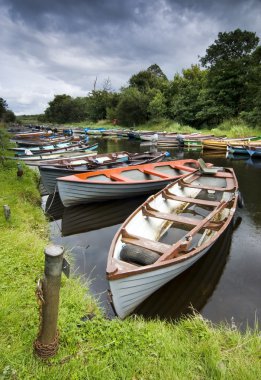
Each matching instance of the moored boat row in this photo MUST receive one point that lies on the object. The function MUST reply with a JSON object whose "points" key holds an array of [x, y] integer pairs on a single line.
{"points": [[167, 233]]}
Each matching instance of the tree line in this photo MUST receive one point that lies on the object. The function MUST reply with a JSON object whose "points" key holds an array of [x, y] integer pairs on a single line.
{"points": [[225, 84]]}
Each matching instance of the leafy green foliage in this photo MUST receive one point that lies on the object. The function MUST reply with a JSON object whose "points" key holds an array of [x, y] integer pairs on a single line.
{"points": [[229, 61], [64, 109], [187, 96], [132, 107], [5, 114]]}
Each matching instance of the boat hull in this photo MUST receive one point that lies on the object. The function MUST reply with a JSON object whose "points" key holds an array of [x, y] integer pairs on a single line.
{"points": [[128, 293], [72, 193]]}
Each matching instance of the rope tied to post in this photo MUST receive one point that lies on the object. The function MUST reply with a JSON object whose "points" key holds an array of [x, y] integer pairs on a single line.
{"points": [[44, 351]]}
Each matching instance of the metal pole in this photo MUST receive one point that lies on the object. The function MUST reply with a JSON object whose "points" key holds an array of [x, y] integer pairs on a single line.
{"points": [[46, 344]]}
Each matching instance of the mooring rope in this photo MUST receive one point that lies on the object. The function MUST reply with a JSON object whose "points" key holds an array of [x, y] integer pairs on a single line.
{"points": [[42, 350]]}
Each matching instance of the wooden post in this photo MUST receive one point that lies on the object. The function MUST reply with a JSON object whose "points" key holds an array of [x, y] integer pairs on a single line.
{"points": [[46, 344]]}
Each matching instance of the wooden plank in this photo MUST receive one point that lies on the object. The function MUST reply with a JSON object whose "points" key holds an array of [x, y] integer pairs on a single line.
{"points": [[167, 195], [119, 178], [176, 248], [144, 243], [157, 174], [182, 220], [202, 187], [183, 167]]}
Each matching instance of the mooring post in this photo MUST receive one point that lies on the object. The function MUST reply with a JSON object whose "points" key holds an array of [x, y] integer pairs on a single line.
{"points": [[46, 344]]}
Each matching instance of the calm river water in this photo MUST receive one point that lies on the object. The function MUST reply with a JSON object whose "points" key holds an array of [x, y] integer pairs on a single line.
{"points": [[223, 286]]}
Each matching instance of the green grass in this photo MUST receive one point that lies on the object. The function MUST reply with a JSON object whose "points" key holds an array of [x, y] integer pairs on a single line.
{"points": [[231, 128], [98, 348]]}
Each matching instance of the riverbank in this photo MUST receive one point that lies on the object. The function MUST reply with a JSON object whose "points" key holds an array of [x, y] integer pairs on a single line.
{"points": [[231, 128], [92, 347]]}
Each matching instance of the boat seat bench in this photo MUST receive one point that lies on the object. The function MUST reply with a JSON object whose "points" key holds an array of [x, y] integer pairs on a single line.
{"points": [[188, 169], [202, 187], [155, 173], [183, 220], [144, 243], [118, 177], [201, 202]]}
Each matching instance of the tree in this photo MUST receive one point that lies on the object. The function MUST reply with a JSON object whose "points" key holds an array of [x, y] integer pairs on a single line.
{"points": [[3, 107], [228, 61], [146, 80], [64, 109], [9, 116], [132, 107], [252, 113], [156, 71], [157, 107], [98, 102], [187, 96]]}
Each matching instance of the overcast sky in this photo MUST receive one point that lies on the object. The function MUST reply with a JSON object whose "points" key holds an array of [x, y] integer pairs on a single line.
{"points": [[51, 47]]}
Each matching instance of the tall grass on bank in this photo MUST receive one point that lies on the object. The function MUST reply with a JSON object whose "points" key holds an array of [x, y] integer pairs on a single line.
{"points": [[231, 128], [91, 346]]}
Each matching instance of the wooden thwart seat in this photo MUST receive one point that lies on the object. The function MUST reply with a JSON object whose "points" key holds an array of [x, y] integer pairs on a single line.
{"points": [[144, 243], [182, 183], [181, 220], [201, 202], [183, 167], [120, 178], [155, 173]]}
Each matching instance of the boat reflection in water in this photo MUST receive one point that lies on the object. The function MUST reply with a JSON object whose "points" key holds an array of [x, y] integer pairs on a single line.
{"points": [[54, 207], [90, 217], [191, 290]]}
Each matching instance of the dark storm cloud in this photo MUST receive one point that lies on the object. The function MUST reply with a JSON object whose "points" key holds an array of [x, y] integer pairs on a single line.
{"points": [[55, 46]]}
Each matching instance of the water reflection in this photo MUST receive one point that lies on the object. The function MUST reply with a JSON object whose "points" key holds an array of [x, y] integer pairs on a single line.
{"points": [[89, 217]]}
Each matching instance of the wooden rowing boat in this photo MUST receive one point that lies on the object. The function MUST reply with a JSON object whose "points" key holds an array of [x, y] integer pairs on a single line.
{"points": [[46, 149], [121, 182], [37, 159], [252, 149], [169, 233], [49, 173], [221, 144], [41, 142]]}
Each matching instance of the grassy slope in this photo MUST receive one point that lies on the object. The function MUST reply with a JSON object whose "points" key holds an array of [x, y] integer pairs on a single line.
{"points": [[97, 348], [231, 128]]}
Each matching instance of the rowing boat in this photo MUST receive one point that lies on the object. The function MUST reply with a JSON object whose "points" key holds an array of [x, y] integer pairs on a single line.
{"points": [[168, 233], [221, 144], [49, 173], [37, 159], [49, 149], [121, 182], [251, 149]]}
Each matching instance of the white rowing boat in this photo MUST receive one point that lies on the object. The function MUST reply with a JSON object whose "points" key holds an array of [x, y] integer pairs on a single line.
{"points": [[123, 182], [169, 233]]}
